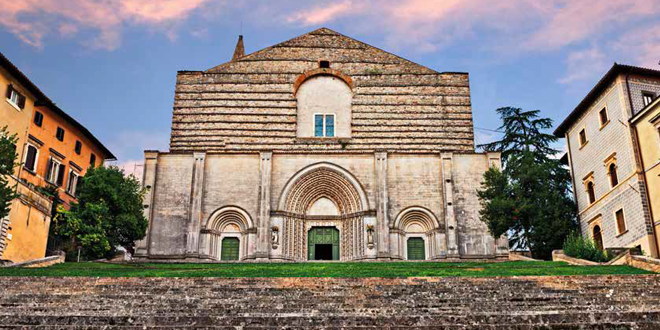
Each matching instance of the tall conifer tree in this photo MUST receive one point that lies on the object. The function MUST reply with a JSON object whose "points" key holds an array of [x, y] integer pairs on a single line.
{"points": [[530, 199]]}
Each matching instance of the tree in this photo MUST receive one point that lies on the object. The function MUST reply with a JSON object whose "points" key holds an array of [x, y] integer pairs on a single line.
{"points": [[108, 214], [7, 164], [530, 199]]}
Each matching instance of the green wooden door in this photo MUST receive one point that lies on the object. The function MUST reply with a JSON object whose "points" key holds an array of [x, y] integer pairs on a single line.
{"points": [[416, 249], [322, 236], [230, 246]]}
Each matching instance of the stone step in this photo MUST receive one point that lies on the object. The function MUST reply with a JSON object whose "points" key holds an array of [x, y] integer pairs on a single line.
{"points": [[587, 302], [339, 321], [562, 326]]}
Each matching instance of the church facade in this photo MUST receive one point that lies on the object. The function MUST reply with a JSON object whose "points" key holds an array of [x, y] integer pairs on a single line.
{"points": [[318, 148]]}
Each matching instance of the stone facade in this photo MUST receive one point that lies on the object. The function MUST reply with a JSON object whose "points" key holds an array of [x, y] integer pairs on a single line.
{"points": [[45, 161], [611, 142], [646, 124], [249, 161]]}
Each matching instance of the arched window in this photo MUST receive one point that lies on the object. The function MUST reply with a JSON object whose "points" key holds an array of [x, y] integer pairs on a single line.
{"points": [[614, 179], [598, 237], [324, 107], [591, 192]]}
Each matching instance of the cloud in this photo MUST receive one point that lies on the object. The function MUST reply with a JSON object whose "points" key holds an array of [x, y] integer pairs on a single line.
{"points": [[584, 64], [130, 144], [643, 43], [32, 20], [568, 22], [522, 25], [323, 14], [131, 167]]}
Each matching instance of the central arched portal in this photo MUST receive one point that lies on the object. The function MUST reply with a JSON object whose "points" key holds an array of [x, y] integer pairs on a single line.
{"points": [[324, 208]]}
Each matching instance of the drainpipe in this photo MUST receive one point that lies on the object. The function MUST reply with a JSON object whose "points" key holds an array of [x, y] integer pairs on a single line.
{"points": [[641, 173]]}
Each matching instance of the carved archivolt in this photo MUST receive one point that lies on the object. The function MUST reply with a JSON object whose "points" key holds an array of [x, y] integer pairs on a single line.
{"points": [[323, 180], [416, 220], [229, 219]]}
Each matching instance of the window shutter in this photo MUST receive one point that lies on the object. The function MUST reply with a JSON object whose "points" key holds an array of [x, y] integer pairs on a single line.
{"points": [[49, 168], [9, 89], [21, 101], [69, 186], [31, 157], [60, 175]]}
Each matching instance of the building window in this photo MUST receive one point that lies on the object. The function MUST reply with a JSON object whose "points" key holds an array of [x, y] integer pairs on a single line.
{"points": [[647, 98], [38, 118], [60, 134], [324, 125], [591, 193], [72, 183], [78, 148], [604, 119], [324, 64], [611, 171], [31, 157], [92, 160], [55, 172], [598, 237], [15, 98], [620, 221], [583, 137]]}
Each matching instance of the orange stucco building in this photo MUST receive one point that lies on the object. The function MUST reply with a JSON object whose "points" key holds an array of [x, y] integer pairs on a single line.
{"points": [[54, 150], [63, 149]]}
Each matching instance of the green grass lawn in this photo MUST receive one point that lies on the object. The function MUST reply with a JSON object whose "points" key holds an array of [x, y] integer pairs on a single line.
{"points": [[334, 269]]}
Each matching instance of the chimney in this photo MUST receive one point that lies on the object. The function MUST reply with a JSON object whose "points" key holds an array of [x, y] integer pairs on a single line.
{"points": [[240, 49]]}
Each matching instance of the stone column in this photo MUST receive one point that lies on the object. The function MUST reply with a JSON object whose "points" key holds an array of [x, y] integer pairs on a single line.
{"points": [[196, 195], [382, 217], [263, 219], [395, 238], [450, 217], [148, 183]]}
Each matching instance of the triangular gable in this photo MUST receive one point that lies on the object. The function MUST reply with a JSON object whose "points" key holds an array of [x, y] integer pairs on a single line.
{"points": [[325, 38]]}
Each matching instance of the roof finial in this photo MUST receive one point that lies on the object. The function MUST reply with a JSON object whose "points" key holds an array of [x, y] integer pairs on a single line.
{"points": [[240, 49]]}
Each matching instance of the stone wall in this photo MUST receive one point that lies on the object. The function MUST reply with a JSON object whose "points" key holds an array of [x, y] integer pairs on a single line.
{"points": [[257, 188], [249, 103], [611, 141]]}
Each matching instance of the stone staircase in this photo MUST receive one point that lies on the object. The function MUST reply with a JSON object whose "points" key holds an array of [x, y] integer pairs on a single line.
{"points": [[580, 302]]}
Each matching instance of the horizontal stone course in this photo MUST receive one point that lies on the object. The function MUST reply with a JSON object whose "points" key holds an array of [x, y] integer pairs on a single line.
{"points": [[588, 302]]}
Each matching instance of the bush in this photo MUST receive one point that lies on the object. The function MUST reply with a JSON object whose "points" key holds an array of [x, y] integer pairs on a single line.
{"points": [[580, 247]]}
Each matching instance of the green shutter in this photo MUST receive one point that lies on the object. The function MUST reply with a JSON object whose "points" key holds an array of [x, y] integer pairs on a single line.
{"points": [[416, 249], [230, 247]]}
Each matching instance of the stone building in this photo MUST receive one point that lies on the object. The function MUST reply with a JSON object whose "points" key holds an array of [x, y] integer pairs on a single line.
{"points": [[318, 148], [54, 151], [646, 125], [607, 171]]}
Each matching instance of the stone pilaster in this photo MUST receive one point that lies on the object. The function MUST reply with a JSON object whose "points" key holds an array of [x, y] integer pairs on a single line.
{"points": [[263, 220], [501, 243], [450, 216], [382, 207], [149, 184], [196, 195]]}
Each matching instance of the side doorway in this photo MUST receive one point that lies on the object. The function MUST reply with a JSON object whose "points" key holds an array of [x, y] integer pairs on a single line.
{"points": [[323, 243], [416, 249], [230, 248]]}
